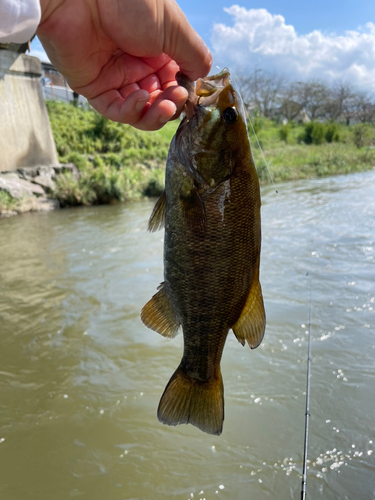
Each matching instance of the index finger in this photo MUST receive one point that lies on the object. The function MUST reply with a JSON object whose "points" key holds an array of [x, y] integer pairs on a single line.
{"points": [[183, 44]]}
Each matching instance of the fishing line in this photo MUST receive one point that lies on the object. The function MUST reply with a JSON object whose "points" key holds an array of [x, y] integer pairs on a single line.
{"points": [[247, 116], [307, 413], [261, 150]]}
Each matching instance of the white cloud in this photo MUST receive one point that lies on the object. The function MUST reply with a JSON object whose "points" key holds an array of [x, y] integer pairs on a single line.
{"points": [[37, 50], [40, 54], [257, 38]]}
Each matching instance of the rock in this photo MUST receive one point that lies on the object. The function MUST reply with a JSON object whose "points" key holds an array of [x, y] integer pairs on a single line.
{"points": [[47, 170], [17, 188], [27, 173], [46, 182], [46, 204], [32, 204], [7, 213], [67, 167]]}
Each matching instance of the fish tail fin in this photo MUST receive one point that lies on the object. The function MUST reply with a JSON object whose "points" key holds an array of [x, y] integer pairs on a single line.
{"points": [[190, 401]]}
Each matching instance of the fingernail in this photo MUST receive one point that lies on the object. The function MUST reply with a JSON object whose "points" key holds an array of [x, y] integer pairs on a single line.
{"points": [[140, 104]]}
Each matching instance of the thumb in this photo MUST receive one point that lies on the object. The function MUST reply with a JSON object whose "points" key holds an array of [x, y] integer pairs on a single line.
{"points": [[183, 44]]}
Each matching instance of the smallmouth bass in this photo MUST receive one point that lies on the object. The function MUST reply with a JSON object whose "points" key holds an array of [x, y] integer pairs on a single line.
{"points": [[211, 212]]}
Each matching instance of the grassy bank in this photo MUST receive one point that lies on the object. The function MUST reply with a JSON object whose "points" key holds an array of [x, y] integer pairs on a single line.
{"points": [[295, 152], [117, 162]]}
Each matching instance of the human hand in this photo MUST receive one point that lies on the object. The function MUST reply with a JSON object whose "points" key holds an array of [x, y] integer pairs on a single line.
{"points": [[122, 55]]}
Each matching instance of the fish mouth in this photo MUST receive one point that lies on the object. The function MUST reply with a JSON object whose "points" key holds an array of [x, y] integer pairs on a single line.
{"points": [[205, 87], [205, 92]]}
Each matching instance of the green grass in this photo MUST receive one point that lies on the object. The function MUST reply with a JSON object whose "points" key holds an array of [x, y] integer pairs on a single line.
{"points": [[106, 184], [7, 203], [118, 163], [85, 132], [294, 159]]}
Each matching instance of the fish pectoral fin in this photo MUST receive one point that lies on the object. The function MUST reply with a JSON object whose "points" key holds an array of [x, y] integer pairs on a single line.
{"points": [[252, 322], [157, 218], [158, 314]]}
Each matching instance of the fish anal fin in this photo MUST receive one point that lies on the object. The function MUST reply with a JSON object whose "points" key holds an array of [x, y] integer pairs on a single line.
{"points": [[189, 401], [251, 325], [157, 217], [158, 314]]}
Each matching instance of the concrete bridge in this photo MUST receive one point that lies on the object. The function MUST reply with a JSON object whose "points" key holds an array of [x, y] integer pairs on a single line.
{"points": [[25, 133]]}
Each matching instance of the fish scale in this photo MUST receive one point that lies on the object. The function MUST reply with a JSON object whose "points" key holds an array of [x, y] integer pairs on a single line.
{"points": [[211, 212]]}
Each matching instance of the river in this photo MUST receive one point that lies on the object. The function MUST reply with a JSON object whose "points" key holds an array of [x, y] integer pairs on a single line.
{"points": [[81, 377]]}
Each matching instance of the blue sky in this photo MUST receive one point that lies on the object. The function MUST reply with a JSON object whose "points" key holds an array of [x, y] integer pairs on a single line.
{"points": [[328, 40], [306, 16]]}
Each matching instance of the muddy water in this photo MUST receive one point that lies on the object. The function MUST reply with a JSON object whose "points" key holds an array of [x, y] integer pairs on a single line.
{"points": [[81, 377]]}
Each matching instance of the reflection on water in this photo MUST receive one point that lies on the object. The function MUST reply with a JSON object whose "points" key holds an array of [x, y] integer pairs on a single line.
{"points": [[81, 377]]}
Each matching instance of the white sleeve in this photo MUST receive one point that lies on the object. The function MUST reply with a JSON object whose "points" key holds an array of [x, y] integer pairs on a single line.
{"points": [[19, 20]]}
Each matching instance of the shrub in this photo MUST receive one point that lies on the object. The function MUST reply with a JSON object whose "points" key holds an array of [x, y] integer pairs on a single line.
{"points": [[114, 160], [314, 133], [262, 171], [155, 184], [6, 201], [79, 161], [256, 123], [361, 135], [98, 161], [332, 133], [284, 133], [86, 132], [71, 192]]}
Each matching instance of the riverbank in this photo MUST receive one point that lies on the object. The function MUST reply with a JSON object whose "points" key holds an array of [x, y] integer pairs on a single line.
{"points": [[115, 163], [299, 151]]}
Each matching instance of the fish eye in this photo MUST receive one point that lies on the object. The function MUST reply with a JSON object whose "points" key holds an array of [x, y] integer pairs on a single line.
{"points": [[230, 115]]}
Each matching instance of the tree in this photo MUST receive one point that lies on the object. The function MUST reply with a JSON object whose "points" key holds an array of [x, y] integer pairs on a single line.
{"points": [[261, 91], [244, 88], [269, 95], [290, 105], [341, 102], [312, 96], [364, 107]]}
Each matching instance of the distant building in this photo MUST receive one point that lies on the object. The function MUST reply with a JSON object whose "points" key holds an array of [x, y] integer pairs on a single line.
{"points": [[55, 87], [53, 76]]}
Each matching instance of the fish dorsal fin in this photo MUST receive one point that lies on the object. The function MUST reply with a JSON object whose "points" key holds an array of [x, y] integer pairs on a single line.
{"points": [[158, 314], [252, 322], [157, 217]]}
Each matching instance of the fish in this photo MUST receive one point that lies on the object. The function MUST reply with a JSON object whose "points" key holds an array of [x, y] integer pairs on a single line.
{"points": [[210, 210]]}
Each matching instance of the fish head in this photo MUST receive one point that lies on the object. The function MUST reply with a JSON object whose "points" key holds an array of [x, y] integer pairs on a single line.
{"points": [[214, 129]]}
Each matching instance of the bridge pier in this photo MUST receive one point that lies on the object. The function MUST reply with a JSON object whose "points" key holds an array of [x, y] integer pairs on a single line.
{"points": [[25, 133]]}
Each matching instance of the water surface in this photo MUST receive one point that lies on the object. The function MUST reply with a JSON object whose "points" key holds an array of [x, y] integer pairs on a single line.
{"points": [[81, 377]]}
